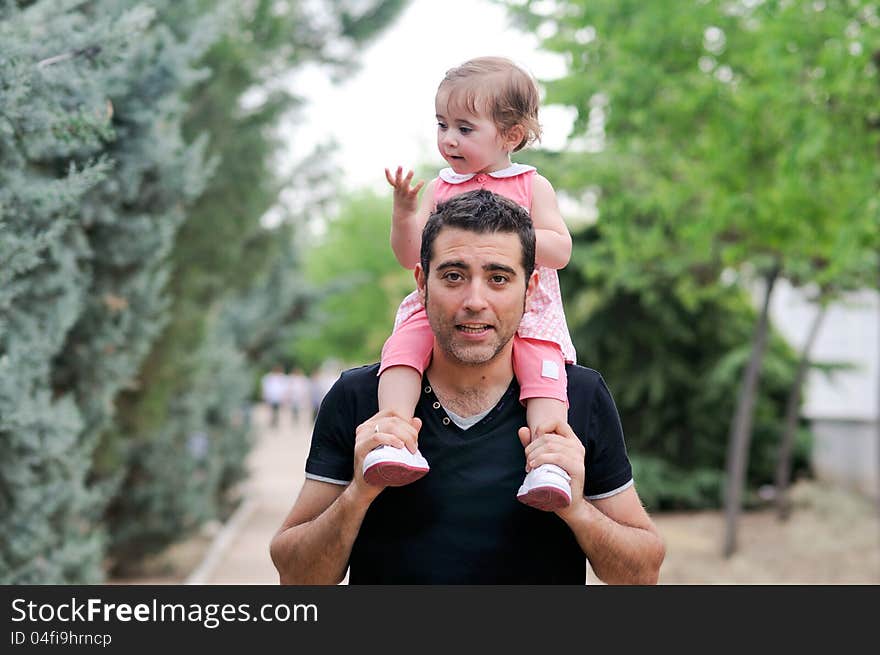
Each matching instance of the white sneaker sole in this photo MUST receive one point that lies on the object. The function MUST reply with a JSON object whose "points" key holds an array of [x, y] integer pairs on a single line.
{"points": [[393, 467], [545, 492]]}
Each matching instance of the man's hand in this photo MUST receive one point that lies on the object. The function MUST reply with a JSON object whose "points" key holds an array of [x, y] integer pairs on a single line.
{"points": [[405, 197], [314, 543], [557, 444], [384, 428]]}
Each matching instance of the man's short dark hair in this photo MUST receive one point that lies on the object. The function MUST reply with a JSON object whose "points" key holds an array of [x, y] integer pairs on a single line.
{"points": [[481, 211]]}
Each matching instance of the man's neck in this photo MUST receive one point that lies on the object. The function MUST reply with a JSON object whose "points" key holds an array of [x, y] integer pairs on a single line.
{"points": [[468, 390]]}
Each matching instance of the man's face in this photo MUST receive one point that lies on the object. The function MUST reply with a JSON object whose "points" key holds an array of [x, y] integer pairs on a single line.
{"points": [[475, 293]]}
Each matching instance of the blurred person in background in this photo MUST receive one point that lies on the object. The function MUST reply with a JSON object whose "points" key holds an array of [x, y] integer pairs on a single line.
{"points": [[321, 381], [298, 394], [274, 389]]}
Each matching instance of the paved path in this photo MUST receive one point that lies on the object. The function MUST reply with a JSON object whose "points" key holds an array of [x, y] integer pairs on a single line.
{"points": [[240, 554]]}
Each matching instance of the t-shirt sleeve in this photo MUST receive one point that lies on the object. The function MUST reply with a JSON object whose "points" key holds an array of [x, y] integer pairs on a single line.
{"points": [[608, 469], [331, 455]]}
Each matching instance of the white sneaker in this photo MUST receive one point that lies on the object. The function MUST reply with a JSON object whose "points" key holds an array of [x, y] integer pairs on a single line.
{"points": [[546, 487], [386, 466]]}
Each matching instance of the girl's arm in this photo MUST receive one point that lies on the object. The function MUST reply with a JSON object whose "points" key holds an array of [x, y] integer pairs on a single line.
{"points": [[408, 217], [553, 241]]}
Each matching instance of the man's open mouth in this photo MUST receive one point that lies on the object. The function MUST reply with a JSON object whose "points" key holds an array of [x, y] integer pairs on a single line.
{"points": [[474, 329]]}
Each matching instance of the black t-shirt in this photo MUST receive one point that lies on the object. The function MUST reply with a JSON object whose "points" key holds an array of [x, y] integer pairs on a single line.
{"points": [[461, 523]]}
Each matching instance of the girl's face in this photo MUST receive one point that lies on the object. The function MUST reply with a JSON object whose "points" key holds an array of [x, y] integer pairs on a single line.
{"points": [[471, 143]]}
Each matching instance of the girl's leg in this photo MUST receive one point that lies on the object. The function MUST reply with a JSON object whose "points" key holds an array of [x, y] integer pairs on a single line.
{"points": [[399, 389], [540, 370], [539, 367], [404, 358]]}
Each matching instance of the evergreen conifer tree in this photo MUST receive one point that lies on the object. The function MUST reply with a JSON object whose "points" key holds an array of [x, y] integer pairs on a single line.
{"points": [[115, 115], [94, 174], [181, 435]]}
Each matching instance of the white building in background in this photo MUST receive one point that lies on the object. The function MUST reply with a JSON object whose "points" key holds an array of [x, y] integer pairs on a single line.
{"points": [[844, 410]]}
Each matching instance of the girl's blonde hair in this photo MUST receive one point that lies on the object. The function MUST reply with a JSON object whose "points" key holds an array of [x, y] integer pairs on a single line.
{"points": [[500, 87]]}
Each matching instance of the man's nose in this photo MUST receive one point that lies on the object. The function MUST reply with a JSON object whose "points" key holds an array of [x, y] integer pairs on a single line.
{"points": [[475, 300]]}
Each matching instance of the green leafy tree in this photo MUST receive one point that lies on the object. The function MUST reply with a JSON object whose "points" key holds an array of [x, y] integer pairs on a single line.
{"points": [[741, 136], [674, 367], [361, 282]]}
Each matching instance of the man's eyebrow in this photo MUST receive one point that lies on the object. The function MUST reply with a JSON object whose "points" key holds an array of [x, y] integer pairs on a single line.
{"points": [[499, 267], [451, 264], [486, 267]]}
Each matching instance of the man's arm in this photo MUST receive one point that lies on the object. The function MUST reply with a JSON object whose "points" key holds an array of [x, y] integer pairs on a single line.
{"points": [[314, 543], [315, 540], [618, 537], [615, 533]]}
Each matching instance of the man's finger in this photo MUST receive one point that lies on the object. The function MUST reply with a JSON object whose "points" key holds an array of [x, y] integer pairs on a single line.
{"points": [[564, 429], [393, 425], [384, 439], [373, 418], [555, 427], [403, 430], [525, 436]]}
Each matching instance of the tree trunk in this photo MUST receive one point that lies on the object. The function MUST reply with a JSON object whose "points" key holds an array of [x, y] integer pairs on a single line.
{"points": [[741, 428], [792, 413]]}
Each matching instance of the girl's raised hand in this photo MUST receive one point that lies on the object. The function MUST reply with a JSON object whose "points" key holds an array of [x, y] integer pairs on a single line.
{"points": [[405, 196]]}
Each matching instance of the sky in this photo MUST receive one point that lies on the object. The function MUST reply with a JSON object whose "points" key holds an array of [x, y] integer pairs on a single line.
{"points": [[384, 115]]}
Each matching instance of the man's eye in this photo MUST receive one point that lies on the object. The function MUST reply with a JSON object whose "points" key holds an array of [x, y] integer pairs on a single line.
{"points": [[452, 277], [499, 279]]}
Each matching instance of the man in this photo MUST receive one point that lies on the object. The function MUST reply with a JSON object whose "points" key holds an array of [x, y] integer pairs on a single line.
{"points": [[462, 522]]}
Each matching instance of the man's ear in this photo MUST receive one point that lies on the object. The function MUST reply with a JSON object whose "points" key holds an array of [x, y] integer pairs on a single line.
{"points": [[421, 281], [530, 288]]}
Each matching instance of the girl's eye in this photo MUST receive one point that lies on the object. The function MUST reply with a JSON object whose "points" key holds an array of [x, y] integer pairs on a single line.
{"points": [[465, 130], [441, 125]]}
